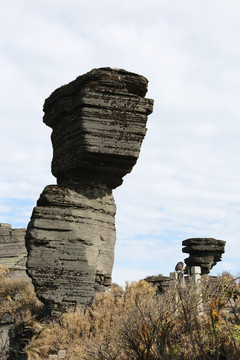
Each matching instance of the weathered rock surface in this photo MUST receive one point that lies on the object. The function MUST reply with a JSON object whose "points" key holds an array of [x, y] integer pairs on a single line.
{"points": [[204, 252], [70, 241], [13, 253], [98, 122], [162, 283], [6, 325]]}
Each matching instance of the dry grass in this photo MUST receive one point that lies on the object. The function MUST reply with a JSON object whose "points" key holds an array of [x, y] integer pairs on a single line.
{"points": [[17, 297], [137, 324]]}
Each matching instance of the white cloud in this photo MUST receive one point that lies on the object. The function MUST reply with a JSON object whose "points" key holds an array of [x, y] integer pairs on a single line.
{"points": [[187, 180]]}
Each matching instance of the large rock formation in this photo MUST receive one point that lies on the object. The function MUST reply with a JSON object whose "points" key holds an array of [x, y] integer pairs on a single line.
{"points": [[13, 253], [98, 122], [204, 252]]}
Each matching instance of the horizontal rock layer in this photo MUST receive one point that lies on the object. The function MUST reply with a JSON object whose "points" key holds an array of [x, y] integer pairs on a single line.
{"points": [[70, 241], [13, 253], [204, 252], [161, 282], [99, 122]]}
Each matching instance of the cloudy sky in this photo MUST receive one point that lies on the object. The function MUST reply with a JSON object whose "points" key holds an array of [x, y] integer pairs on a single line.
{"points": [[187, 180]]}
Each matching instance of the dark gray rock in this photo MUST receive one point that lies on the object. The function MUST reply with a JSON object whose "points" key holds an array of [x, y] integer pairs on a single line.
{"points": [[161, 282], [5, 329], [204, 252], [98, 122], [70, 241], [13, 253]]}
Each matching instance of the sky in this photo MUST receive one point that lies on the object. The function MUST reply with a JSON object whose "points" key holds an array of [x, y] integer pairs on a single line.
{"points": [[186, 182]]}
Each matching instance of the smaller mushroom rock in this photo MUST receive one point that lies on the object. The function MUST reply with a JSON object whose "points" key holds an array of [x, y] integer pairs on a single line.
{"points": [[204, 252]]}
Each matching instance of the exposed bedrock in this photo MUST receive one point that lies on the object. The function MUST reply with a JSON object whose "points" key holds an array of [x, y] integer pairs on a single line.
{"points": [[13, 253], [204, 252], [99, 122]]}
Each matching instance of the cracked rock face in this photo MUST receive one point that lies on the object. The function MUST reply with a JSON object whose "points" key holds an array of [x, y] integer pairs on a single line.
{"points": [[13, 253], [204, 252], [98, 122]]}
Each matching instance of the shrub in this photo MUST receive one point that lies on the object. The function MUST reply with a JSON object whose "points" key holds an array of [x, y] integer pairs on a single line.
{"points": [[136, 324], [18, 299]]}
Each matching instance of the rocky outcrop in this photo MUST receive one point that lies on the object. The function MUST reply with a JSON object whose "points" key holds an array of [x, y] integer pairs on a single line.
{"points": [[7, 323], [204, 252], [98, 122], [13, 252], [161, 282]]}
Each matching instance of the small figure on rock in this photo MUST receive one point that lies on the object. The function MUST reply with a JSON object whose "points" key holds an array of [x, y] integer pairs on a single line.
{"points": [[180, 266]]}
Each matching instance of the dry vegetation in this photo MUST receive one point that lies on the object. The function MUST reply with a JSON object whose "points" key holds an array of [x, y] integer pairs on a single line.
{"points": [[136, 324], [17, 298]]}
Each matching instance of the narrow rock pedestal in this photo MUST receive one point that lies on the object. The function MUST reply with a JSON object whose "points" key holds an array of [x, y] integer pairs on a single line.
{"points": [[70, 240]]}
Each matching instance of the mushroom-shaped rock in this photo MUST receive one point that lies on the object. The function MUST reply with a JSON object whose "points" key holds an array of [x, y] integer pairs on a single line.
{"points": [[204, 252], [98, 123]]}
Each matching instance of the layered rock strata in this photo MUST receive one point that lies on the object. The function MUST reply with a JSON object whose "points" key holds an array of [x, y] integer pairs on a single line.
{"points": [[204, 252], [98, 122], [162, 283], [13, 253]]}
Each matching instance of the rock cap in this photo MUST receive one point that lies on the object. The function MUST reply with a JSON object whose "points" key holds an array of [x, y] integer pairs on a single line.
{"points": [[99, 123]]}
